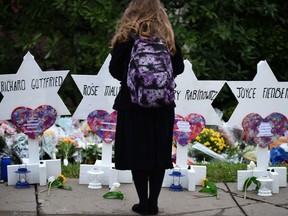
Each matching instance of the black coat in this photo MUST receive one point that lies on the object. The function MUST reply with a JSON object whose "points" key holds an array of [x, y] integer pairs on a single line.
{"points": [[143, 135]]}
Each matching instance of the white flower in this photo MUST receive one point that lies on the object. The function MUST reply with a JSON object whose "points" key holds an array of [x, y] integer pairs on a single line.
{"points": [[51, 179], [115, 186], [252, 165]]}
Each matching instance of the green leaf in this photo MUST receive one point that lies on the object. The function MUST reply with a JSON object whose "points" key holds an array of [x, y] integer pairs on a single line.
{"points": [[205, 190], [211, 185], [249, 181], [257, 183], [210, 188], [114, 195], [55, 183]]}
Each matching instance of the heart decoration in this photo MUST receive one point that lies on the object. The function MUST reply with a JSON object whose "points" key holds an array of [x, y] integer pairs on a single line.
{"points": [[267, 130], [34, 122], [103, 124], [186, 129]]}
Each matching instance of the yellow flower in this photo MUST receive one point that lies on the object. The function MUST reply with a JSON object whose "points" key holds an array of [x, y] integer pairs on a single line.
{"points": [[212, 139], [66, 147], [58, 182], [62, 178], [204, 182]]}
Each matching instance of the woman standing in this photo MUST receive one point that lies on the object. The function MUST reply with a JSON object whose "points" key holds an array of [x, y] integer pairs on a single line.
{"points": [[143, 142]]}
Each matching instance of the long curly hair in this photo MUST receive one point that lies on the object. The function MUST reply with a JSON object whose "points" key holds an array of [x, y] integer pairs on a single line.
{"points": [[144, 19]]}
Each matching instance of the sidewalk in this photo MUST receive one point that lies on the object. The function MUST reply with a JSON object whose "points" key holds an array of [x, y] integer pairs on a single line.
{"points": [[84, 201]]}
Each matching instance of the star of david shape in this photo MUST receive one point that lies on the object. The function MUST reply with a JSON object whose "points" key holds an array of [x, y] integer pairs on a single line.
{"points": [[31, 87], [195, 96], [263, 95], [98, 91]]}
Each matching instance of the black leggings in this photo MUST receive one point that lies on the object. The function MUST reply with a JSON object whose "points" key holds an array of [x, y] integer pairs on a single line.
{"points": [[155, 179]]}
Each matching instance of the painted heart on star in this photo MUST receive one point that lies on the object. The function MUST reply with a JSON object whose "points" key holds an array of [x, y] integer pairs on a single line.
{"points": [[267, 130], [187, 128], [34, 122], [103, 124]]}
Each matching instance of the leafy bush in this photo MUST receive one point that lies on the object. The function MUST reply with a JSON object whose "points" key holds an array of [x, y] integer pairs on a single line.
{"points": [[223, 39]]}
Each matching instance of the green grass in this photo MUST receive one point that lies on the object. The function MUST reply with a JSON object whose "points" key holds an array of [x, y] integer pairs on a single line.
{"points": [[216, 171], [223, 171], [72, 170]]}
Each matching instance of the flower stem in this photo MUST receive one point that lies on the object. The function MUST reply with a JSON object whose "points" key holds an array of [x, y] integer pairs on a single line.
{"points": [[123, 200], [49, 187]]}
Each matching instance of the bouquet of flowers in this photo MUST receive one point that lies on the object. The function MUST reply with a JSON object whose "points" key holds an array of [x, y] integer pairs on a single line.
{"points": [[115, 193], [49, 140], [66, 148], [5, 128], [89, 153], [212, 139], [213, 144], [57, 182], [241, 146]]}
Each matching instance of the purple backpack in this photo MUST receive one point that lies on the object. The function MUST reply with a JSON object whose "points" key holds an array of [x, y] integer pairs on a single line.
{"points": [[150, 74]]}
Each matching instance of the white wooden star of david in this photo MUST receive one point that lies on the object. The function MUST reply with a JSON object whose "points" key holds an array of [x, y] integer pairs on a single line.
{"points": [[99, 91], [31, 87], [196, 96], [263, 95]]}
